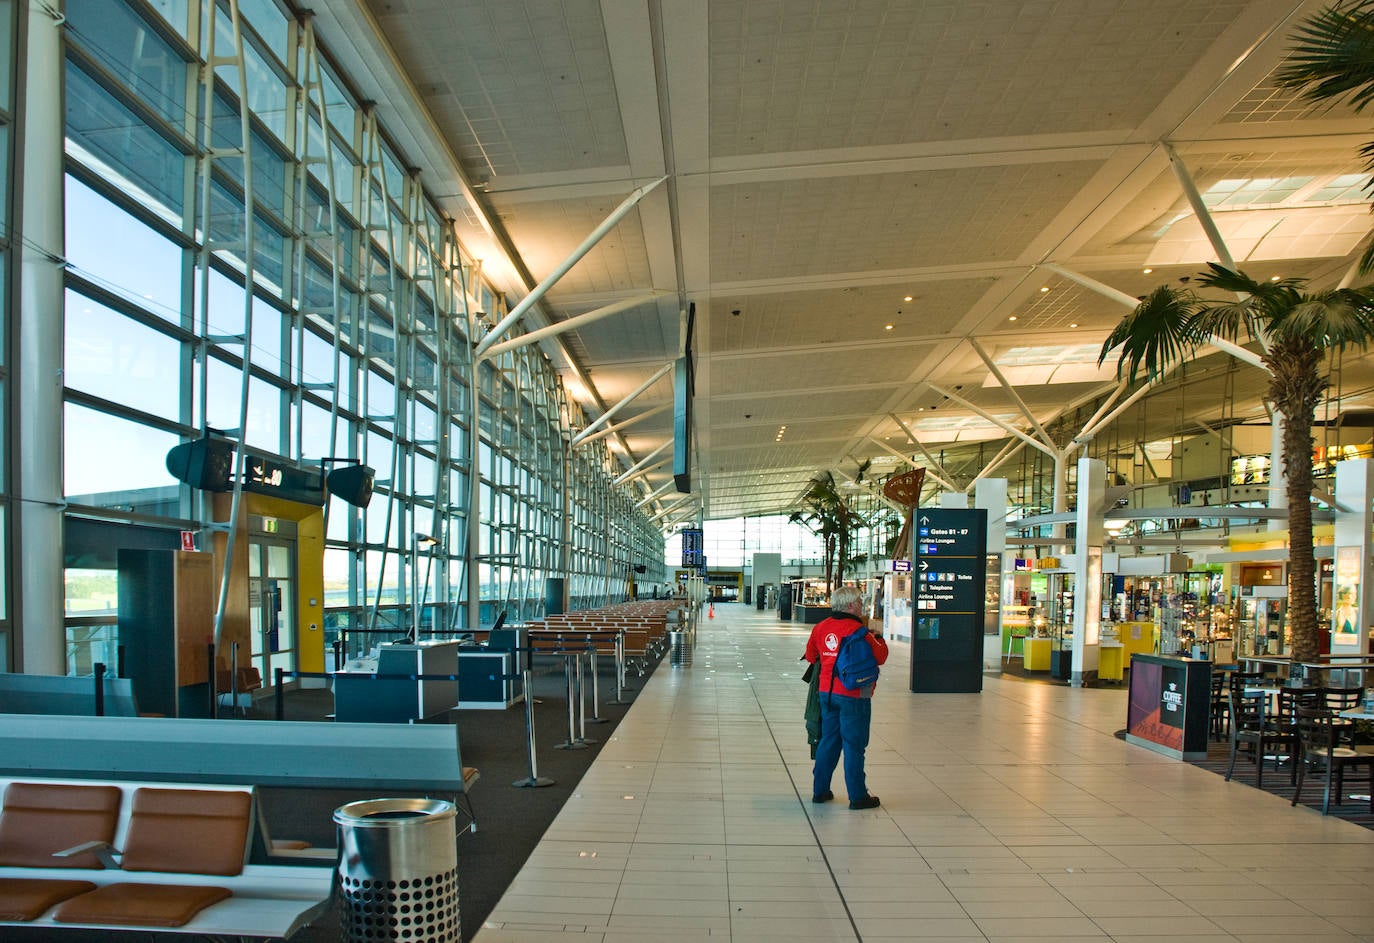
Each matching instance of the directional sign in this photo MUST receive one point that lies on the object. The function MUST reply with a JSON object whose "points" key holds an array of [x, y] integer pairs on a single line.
{"points": [[949, 599]]}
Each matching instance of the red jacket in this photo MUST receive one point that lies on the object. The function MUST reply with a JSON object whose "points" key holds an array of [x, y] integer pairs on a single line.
{"points": [[825, 642]]}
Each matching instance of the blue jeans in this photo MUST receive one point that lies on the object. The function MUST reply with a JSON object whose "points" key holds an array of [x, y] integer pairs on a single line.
{"points": [[844, 724]]}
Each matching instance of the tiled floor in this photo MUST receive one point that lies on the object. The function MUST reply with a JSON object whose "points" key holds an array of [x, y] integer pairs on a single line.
{"points": [[1011, 815]]}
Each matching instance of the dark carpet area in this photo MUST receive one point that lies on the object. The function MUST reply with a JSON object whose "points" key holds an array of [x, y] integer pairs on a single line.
{"points": [[510, 820], [1277, 782]]}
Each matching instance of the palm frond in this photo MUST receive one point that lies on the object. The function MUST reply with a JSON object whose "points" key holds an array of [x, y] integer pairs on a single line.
{"points": [[1259, 304], [1156, 334], [1338, 318], [1332, 56]]}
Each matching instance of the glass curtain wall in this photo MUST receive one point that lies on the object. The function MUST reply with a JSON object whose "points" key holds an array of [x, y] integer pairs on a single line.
{"points": [[359, 316], [8, 39]]}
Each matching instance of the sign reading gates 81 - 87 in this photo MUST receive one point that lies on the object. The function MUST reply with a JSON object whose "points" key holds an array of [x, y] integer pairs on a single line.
{"points": [[692, 546]]}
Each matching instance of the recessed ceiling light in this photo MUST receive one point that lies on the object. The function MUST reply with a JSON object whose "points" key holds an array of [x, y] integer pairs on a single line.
{"points": [[1147, 271], [1012, 318], [907, 298], [887, 327], [1273, 278], [921, 409], [1044, 288], [1073, 325]]}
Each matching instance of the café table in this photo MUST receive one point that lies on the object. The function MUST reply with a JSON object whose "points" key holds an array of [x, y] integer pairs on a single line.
{"points": [[1365, 712]]}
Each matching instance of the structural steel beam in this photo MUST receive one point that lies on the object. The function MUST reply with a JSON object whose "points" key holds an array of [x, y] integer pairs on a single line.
{"points": [[606, 416]]}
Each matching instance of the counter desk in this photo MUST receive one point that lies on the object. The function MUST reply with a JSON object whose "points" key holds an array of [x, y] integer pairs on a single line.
{"points": [[1168, 705], [361, 698]]}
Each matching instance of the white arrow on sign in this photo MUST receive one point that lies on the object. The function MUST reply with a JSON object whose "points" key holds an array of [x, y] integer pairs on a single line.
{"points": [[924, 566]]}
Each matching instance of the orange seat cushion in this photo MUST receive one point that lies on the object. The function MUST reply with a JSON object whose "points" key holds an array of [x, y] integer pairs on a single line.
{"points": [[188, 831], [28, 898], [140, 905], [39, 819]]}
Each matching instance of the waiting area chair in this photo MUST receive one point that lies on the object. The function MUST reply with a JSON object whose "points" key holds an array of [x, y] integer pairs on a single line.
{"points": [[1321, 753], [235, 691]]}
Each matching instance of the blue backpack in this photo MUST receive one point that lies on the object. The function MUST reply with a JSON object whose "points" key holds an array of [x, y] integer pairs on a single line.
{"points": [[855, 664]]}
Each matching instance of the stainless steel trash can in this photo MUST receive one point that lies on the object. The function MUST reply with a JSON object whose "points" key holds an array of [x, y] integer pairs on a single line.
{"points": [[679, 649], [398, 871]]}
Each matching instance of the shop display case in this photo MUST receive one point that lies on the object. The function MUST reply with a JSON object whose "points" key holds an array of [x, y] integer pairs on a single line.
{"points": [[1261, 622]]}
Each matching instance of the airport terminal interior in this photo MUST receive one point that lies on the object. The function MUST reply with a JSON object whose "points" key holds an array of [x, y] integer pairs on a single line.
{"points": [[336, 336]]}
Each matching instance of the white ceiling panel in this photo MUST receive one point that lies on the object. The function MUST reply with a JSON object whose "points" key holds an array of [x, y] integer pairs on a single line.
{"points": [[825, 161]]}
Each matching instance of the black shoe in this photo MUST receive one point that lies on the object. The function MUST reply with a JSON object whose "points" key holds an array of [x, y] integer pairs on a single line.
{"points": [[823, 796], [867, 802]]}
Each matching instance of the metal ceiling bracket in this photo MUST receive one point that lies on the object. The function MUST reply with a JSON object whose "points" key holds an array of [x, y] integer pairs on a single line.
{"points": [[606, 416], [485, 352], [539, 290]]}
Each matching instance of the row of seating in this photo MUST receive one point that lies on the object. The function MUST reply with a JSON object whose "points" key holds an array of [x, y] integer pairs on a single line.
{"points": [[1303, 728], [117, 855], [643, 626]]}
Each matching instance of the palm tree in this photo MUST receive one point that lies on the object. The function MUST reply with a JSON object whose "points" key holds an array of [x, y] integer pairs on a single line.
{"points": [[1299, 328], [829, 517], [1332, 59]]}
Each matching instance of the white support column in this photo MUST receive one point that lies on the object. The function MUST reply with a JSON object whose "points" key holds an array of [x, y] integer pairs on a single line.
{"points": [[990, 494], [1089, 534], [1278, 473], [1352, 589], [41, 646]]}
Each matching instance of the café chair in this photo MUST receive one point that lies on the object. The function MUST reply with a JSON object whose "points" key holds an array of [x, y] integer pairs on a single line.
{"points": [[1342, 699], [1257, 733], [1320, 753], [1218, 720]]}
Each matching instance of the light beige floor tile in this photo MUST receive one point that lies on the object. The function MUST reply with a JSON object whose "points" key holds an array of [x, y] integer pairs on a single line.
{"points": [[1009, 816]]}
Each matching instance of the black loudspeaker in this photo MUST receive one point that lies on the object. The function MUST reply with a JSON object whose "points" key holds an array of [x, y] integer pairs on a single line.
{"points": [[641, 568], [351, 483], [206, 464]]}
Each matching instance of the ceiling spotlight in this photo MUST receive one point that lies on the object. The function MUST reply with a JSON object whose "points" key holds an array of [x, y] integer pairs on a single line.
{"points": [[1073, 325], [1012, 318], [1147, 271], [908, 298], [887, 327], [1273, 278], [1044, 288]]}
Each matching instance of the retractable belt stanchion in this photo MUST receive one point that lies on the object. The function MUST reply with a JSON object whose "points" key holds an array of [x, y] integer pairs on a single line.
{"points": [[99, 689], [573, 742], [619, 668], [278, 676], [580, 682], [533, 780], [596, 717]]}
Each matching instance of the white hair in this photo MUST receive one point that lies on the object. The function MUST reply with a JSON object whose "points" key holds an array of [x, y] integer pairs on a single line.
{"points": [[845, 598]]}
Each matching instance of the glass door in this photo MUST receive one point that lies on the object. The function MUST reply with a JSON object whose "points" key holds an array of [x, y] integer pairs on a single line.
{"points": [[272, 605]]}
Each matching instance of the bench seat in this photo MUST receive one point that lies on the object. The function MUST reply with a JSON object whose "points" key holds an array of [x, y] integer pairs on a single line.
{"points": [[151, 856]]}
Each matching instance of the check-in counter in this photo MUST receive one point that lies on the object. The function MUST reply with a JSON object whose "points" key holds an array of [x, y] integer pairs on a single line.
{"points": [[361, 698], [486, 678]]}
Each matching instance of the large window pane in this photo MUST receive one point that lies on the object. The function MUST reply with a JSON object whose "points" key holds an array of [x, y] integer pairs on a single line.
{"points": [[112, 462], [139, 265], [110, 139], [115, 357], [133, 52]]}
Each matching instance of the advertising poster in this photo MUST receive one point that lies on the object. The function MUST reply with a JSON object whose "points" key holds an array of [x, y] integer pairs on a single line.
{"points": [[1155, 711], [1345, 609]]}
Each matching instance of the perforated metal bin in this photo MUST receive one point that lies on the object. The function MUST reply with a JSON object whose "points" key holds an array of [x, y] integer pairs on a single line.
{"points": [[679, 648], [398, 871]]}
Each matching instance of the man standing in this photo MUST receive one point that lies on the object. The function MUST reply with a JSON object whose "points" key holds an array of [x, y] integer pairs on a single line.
{"points": [[845, 713]]}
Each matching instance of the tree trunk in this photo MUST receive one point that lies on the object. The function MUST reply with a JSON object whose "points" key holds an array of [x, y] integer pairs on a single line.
{"points": [[1296, 389]]}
